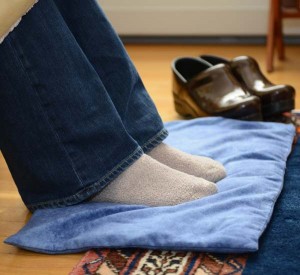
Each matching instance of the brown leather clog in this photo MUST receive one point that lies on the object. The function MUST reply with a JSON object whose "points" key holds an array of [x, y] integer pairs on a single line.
{"points": [[200, 89], [275, 99]]}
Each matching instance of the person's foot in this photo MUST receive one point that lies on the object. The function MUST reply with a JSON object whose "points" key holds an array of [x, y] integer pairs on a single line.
{"points": [[202, 167], [152, 183]]}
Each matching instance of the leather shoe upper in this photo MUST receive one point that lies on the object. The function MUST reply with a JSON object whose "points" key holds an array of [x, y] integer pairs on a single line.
{"points": [[248, 73], [210, 90]]}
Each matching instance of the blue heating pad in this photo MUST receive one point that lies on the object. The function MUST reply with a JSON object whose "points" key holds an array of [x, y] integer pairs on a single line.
{"points": [[254, 155]]}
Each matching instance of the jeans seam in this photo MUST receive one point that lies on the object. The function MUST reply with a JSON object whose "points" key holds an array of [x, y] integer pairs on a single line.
{"points": [[89, 191], [42, 109], [155, 140], [130, 95]]}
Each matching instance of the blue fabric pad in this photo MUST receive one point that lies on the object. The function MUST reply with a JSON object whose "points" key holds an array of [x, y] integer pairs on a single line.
{"points": [[280, 243], [254, 155]]}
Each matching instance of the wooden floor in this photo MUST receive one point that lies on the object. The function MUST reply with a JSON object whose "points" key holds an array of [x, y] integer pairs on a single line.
{"points": [[153, 63]]}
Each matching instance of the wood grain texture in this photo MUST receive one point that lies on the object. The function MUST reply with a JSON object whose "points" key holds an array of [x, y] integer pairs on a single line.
{"points": [[153, 63]]}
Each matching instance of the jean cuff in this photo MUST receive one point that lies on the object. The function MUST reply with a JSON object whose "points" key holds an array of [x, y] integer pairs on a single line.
{"points": [[87, 192], [155, 140]]}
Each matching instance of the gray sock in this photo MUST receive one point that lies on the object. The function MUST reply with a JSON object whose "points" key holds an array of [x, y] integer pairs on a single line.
{"points": [[202, 167], [150, 182]]}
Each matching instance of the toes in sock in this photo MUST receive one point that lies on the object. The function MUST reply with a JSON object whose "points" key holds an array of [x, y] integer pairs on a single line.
{"points": [[150, 182], [203, 167]]}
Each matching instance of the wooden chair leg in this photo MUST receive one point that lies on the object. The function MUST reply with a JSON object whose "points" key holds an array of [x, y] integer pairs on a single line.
{"points": [[271, 35], [279, 32]]}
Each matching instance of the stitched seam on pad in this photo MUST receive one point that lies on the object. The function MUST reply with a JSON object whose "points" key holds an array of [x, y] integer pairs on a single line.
{"points": [[184, 248]]}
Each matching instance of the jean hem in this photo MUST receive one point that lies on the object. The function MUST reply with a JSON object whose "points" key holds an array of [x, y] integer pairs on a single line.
{"points": [[90, 190], [155, 140]]}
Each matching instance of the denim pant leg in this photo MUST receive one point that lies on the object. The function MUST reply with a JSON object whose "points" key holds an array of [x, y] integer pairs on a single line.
{"points": [[60, 133], [107, 54]]}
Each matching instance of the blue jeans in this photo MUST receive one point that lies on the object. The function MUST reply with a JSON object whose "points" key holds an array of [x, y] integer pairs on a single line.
{"points": [[74, 112]]}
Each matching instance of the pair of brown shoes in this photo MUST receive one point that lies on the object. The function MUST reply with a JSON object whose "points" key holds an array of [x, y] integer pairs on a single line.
{"points": [[213, 86]]}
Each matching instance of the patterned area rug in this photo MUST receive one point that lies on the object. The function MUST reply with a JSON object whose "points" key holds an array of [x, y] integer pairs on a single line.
{"points": [[137, 261], [278, 253]]}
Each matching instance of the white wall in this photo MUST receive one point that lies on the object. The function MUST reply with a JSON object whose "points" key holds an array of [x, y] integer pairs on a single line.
{"points": [[191, 17]]}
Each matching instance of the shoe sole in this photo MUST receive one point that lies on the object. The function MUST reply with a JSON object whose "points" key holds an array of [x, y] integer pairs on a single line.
{"points": [[185, 110], [181, 108], [278, 107]]}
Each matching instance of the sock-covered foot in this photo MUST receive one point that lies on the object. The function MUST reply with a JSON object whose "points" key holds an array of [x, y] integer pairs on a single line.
{"points": [[150, 182], [202, 167]]}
